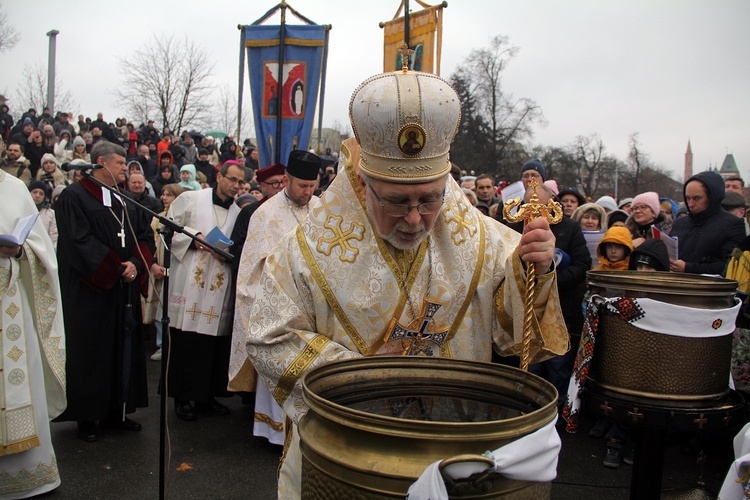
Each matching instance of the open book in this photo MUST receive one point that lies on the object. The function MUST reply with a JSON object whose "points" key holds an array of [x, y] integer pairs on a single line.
{"points": [[218, 239], [20, 233]]}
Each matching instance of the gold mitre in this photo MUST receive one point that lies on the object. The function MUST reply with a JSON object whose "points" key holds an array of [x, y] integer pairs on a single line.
{"points": [[405, 122]]}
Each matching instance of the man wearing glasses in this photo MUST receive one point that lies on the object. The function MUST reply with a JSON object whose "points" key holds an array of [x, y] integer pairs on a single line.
{"points": [[395, 261], [200, 296]]}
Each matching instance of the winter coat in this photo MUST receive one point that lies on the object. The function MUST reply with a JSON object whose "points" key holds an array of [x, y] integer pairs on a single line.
{"points": [[706, 239], [650, 252], [661, 222]]}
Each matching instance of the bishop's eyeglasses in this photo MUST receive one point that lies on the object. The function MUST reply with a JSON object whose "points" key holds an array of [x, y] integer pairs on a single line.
{"points": [[402, 209]]}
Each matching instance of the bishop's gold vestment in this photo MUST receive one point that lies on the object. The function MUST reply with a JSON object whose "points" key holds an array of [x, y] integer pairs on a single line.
{"points": [[333, 290]]}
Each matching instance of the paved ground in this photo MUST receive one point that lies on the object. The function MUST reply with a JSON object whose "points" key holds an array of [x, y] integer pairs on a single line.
{"points": [[217, 458]]}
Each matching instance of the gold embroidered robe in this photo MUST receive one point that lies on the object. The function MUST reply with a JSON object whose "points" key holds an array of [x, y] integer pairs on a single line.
{"points": [[33, 353], [331, 290]]}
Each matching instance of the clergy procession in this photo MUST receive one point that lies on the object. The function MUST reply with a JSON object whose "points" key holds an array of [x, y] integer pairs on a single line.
{"points": [[369, 317]]}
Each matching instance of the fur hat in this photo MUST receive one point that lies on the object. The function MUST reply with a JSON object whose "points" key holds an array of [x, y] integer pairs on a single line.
{"points": [[650, 199], [404, 122]]}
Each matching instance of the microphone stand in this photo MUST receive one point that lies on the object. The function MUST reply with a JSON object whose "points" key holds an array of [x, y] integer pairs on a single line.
{"points": [[170, 227]]}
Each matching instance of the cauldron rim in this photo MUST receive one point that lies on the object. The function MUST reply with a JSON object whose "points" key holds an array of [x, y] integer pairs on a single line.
{"points": [[394, 426]]}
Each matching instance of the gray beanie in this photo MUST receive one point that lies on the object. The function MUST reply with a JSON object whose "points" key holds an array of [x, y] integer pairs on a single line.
{"points": [[78, 141]]}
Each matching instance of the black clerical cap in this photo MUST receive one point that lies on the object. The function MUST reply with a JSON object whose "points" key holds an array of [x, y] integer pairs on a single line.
{"points": [[303, 165]]}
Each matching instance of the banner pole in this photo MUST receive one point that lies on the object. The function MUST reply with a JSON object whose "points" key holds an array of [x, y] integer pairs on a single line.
{"points": [[279, 84], [406, 31], [241, 82]]}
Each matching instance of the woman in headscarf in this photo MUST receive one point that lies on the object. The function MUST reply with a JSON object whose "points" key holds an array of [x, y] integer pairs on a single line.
{"points": [[591, 217]]}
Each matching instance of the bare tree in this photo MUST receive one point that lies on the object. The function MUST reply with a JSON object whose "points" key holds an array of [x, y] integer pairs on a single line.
{"points": [[637, 161], [170, 78], [9, 37], [508, 119], [32, 91], [224, 115]]}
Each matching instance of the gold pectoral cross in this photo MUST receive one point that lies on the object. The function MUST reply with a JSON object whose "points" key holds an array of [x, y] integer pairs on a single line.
{"points": [[553, 212]]}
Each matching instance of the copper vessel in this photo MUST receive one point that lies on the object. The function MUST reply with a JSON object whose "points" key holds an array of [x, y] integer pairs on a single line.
{"points": [[654, 368], [375, 424]]}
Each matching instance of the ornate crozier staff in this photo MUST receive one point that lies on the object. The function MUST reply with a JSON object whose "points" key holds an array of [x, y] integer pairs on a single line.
{"points": [[553, 212]]}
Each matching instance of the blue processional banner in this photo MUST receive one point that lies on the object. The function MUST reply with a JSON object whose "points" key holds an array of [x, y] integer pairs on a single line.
{"points": [[303, 54]]}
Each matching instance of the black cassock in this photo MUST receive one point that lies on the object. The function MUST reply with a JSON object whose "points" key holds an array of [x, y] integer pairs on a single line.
{"points": [[90, 253]]}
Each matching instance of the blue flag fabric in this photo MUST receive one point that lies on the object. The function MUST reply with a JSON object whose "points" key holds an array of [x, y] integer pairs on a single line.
{"points": [[303, 54]]}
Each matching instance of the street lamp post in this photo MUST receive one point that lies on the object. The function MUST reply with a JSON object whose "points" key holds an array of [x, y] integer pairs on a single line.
{"points": [[51, 70]]}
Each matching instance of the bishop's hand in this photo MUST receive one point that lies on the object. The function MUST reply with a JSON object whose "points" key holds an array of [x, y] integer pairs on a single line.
{"points": [[537, 244]]}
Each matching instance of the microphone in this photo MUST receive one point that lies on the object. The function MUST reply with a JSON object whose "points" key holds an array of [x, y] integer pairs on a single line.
{"points": [[70, 166]]}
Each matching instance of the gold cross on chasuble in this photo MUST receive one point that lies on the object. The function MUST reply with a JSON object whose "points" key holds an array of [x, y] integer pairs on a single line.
{"points": [[210, 314], [341, 238], [194, 311], [416, 339]]}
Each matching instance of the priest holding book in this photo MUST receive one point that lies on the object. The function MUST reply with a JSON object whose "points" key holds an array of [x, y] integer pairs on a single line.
{"points": [[200, 298], [33, 347]]}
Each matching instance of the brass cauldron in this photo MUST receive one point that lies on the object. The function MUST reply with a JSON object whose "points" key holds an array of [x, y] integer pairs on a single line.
{"points": [[658, 369], [375, 424]]}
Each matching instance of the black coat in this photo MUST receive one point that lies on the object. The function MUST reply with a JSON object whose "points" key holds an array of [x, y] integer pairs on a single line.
{"points": [[90, 254], [706, 239], [571, 279]]}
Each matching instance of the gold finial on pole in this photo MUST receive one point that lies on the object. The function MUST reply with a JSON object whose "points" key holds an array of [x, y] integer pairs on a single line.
{"points": [[553, 212], [406, 52]]}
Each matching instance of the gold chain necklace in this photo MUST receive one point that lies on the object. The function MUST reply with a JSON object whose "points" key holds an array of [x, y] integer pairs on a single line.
{"points": [[402, 281]]}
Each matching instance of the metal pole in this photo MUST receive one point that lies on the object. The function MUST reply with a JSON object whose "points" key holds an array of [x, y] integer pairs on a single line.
{"points": [[407, 22], [51, 70], [279, 85]]}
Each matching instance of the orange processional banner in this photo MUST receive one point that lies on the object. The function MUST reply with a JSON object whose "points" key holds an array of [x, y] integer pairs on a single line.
{"points": [[425, 39]]}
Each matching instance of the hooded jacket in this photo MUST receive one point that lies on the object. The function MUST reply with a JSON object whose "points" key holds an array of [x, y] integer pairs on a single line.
{"points": [[190, 184], [621, 236], [578, 214], [706, 239], [652, 253]]}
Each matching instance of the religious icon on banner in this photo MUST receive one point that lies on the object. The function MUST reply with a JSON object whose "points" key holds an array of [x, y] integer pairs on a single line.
{"points": [[292, 103], [416, 61]]}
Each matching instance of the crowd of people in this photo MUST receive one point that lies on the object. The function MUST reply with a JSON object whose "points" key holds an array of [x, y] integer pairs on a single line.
{"points": [[380, 245]]}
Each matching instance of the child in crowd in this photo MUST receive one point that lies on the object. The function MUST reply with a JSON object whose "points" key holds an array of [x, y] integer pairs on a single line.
{"points": [[614, 250], [188, 182]]}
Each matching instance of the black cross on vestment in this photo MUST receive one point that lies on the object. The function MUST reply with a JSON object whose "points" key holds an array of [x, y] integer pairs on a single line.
{"points": [[417, 341]]}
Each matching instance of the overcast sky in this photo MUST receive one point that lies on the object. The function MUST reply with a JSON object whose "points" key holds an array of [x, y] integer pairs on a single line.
{"points": [[671, 70]]}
